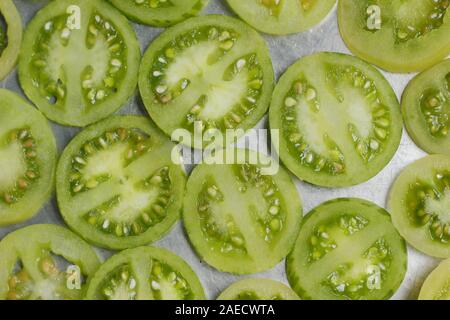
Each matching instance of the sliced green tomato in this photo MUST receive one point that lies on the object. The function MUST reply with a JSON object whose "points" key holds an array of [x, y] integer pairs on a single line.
{"points": [[238, 218], [79, 62], [339, 120], [27, 159], [202, 74], [45, 262], [419, 202], [145, 273], [281, 17], [117, 185], [160, 13], [437, 285], [397, 35], [426, 109], [347, 249], [10, 36], [258, 289]]}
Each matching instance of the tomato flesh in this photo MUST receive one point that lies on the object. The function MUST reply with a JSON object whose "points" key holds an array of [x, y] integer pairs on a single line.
{"points": [[228, 86], [347, 249], [437, 285], [239, 220], [399, 36], [258, 289], [145, 273], [338, 118], [116, 184], [419, 202], [281, 17], [35, 264], [160, 13], [426, 109], [10, 36], [27, 159], [79, 70]]}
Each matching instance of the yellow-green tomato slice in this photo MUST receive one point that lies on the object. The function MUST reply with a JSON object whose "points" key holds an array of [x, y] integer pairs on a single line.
{"points": [[79, 61], [426, 109], [27, 159], [419, 202], [396, 35], [117, 185], [238, 218], [347, 249], [437, 285], [45, 262], [160, 13], [10, 37], [145, 273], [258, 289]]}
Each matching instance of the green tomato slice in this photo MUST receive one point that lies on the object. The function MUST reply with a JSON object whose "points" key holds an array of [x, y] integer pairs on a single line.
{"points": [[27, 159], [10, 36], [347, 249], [258, 289], [437, 285], [338, 118], [281, 17], [45, 262], [116, 183], [145, 273], [202, 74], [79, 61], [396, 35], [426, 109], [160, 13], [238, 219], [419, 202]]}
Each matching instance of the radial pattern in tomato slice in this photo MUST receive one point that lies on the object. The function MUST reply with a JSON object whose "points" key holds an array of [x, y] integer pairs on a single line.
{"points": [[426, 109], [145, 273], [419, 203], [397, 35], [79, 62], [117, 185], [239, 219], [338, 118], [203, 74], [347, 249], [27, 159], [45, 262]]}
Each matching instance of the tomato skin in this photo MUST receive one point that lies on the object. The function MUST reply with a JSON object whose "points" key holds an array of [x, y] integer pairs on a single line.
{"points": [[65, 113], [160, 112], [423, 170], [162, 146], [300, 278], [437, 284], [10, 54], [146, 255], [262, 289], [413, 116], [417, 55], [292, 18], [28, 243], [15, 111], [357, 170], [160, 17]]}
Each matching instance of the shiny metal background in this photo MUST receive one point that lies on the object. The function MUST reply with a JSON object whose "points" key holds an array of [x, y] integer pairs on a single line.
{"points": [[285, 51]]}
